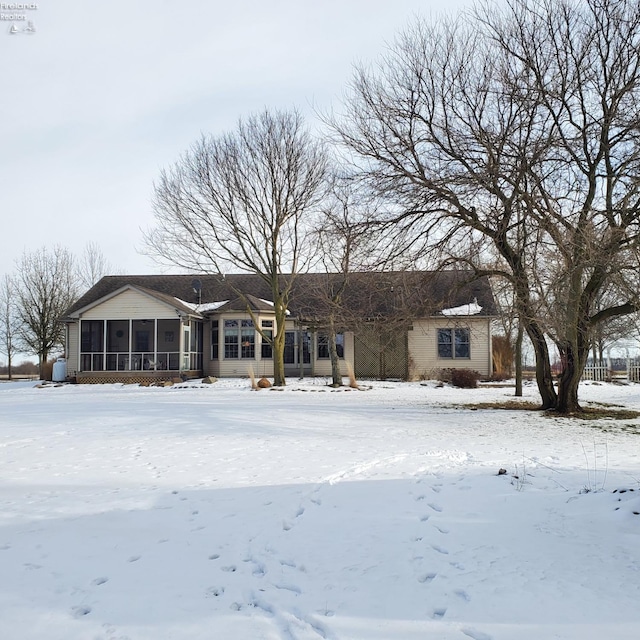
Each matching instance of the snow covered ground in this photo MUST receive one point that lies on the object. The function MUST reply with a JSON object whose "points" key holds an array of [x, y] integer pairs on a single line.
{"points": [[216, 512]]}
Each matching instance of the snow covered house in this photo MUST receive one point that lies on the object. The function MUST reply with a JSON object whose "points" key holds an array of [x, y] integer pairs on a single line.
{"points": [[391, 325]]}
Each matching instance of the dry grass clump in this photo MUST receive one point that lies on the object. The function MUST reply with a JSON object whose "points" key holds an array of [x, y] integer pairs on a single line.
{"points": [[252, 376], [353, 383], [614, 412]]}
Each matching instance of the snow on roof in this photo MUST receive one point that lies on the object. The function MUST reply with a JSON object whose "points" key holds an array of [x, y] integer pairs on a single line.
{"points": [[471, 309], [287, 312], [204, 307]]}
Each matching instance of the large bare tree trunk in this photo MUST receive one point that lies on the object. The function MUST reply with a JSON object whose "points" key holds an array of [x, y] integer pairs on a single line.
{"points": [[336, 375], [279, 378], [569, 380], [544, 377], [519, 338]]}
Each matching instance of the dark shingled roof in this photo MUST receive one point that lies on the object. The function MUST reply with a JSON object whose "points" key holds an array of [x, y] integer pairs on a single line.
{"points": [[411, 294]]}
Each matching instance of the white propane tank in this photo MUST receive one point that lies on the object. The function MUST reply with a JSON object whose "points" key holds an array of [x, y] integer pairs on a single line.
{"points": [[59, 370]]}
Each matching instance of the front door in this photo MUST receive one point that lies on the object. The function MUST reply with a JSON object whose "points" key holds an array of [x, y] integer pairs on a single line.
{"points": [[297, 343]]}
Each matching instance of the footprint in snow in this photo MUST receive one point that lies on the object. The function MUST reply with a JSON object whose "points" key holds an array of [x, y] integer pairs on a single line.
{"points": [[420, 497], [475, 635], [214, 592], [133, 558], [441, 529], [438, 613], [288, 563], [440, 549], [258, 569], [288, 587], [229, 569], [461, 593], [299, 512], [425, 517], [80, 611], [436, 488], [214, 556], [427, 578], [100, 580], [435, 507]]}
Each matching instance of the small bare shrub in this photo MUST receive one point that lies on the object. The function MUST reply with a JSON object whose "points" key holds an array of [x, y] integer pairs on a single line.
{"points": [[464, 378]]}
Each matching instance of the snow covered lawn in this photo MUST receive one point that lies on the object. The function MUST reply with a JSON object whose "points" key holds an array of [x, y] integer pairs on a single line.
{"points": [[215, 512]]}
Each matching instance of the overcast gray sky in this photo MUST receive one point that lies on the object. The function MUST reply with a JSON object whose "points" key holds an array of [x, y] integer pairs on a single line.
{"points": [[104, 94]]}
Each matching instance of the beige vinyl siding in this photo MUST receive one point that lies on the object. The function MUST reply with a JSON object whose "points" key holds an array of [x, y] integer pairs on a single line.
{"points": [[322, 366], [73, 347], [239, 367], [130, 305], [234, 367], [423, 346], [209, 366]]}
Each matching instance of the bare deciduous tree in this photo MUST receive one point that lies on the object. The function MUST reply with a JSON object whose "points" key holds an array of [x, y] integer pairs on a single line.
{"points": [[8, 321], [92, 265], [342, 239], [46, 286], [241, 200], [516, 127]]}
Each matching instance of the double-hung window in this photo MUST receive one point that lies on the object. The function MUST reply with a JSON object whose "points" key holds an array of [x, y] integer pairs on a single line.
{"points": [[454, 343], [247, 339], [239, 339], [266, 351], [231, 339], [215, 340], [323, 345]]}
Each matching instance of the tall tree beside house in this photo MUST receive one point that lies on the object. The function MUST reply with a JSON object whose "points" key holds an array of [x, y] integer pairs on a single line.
{"points": [[243, 200], [342, 237], [46, 285], [517, 121], [8, 321]]}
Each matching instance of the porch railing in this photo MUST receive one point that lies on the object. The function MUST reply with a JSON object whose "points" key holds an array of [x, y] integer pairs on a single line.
{"points": [[138, 361]]}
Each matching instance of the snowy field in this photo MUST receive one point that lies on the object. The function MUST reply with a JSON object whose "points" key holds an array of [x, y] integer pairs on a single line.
{"points": [[215, 512]]}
